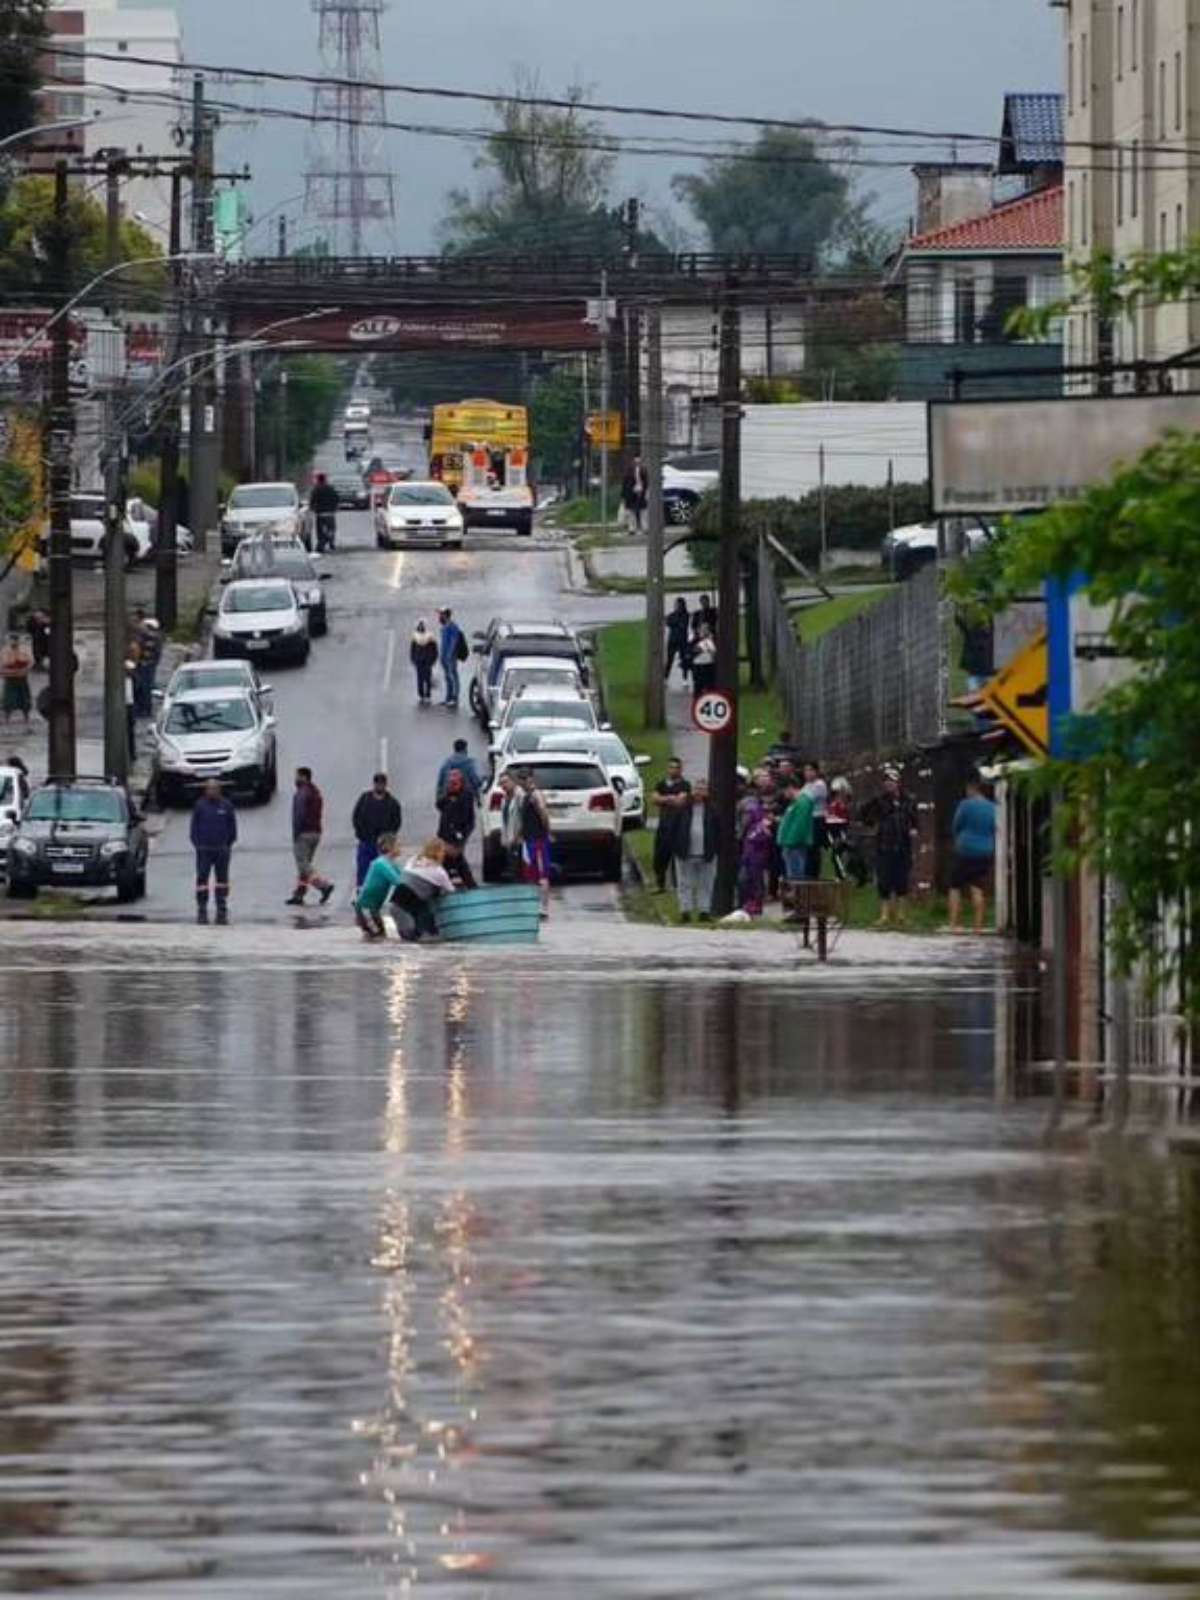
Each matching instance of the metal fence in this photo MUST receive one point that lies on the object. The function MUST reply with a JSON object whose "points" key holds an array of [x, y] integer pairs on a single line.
{"points": [[876, 685]]}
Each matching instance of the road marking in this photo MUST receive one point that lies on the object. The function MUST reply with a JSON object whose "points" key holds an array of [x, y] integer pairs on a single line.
{"points": [[383, 753], [398, 569], [389, 659]]}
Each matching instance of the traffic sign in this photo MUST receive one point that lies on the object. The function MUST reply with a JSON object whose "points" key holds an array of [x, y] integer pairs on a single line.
{"points": [[1019, 696], [605, 428], [712, 712]]}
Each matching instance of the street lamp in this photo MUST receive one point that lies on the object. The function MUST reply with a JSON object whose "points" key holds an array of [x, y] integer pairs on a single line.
{"points": [[121, 266], [64, 126]]}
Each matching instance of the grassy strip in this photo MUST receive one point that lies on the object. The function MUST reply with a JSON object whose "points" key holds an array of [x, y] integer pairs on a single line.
{"points": [[817, 620]]}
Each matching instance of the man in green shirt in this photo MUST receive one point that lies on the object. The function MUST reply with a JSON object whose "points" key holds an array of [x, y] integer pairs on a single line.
{"points": [[795, 834]]}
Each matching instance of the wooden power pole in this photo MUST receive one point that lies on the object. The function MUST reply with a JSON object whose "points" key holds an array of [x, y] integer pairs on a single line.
{"points": [[655, 703], [722, 768], [61, 748]]}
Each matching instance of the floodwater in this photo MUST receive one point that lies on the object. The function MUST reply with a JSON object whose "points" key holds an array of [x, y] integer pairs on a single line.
{"points": [[429, 1280]]}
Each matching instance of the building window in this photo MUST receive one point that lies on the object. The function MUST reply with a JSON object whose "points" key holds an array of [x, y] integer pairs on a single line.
{"points": [[1083, 69], [1178, 90], [965, 322], [1133, 178], [1134, 19], [1162, 99], [1120, 43], [1085, 208]]}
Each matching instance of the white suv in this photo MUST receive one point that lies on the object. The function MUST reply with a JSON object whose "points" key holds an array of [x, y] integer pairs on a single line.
{"points": [[586, 821]]}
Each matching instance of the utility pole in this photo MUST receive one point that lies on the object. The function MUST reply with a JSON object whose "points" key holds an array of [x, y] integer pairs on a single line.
{"points": [[281, 444], [605, 401], [116, 739], [655, 704], [283, 238], [205, 437], [633, 337], [166, 568], [722, 766], [61, 750]]}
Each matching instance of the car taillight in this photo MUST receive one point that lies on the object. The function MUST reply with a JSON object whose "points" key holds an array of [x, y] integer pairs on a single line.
{"points": [[602, 802], [496, 803]]}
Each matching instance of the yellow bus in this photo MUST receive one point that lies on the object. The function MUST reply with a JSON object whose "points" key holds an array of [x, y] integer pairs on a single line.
{"points": [[472, 425]]}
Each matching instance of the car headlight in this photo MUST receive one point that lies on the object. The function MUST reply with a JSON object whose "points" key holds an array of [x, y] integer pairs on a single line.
{"points": [[25, 847], [114, 847], [170, 755]]}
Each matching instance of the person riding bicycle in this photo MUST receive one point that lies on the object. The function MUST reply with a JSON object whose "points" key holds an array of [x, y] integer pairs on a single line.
{"points": [[323, 503]]}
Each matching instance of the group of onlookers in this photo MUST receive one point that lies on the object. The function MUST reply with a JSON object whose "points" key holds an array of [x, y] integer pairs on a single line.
{"points": [[692, 642], [792, 821]]}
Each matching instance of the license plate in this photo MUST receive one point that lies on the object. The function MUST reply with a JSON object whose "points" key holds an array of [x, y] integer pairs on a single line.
{"points": [[494, 512], [258, 644], [67, 866]]}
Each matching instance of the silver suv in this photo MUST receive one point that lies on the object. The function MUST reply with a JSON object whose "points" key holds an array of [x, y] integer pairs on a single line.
{"points": [[213, 733]]}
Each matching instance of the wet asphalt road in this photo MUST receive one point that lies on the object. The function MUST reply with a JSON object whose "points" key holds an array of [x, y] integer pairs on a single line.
{"points": [[353, 708]]}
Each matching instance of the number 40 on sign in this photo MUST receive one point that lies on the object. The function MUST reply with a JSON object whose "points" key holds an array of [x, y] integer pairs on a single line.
{"points": [[713, 712]]}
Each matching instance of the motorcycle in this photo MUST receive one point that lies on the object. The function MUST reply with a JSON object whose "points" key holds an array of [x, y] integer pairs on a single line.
{"points": [[326, 531]]}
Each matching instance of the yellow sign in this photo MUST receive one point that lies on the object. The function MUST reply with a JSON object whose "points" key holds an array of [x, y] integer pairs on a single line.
{"points": [[1020, 696], [604, 428]]}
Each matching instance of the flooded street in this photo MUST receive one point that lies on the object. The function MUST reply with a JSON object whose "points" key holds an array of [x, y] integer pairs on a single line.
{"points": [[438, 1277]]}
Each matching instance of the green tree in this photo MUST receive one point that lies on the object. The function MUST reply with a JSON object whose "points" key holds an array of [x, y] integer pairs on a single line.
{"points": [[856, 518], [546, 179], [26, 222], [22, 39], [1129, 785], [788, 199], [315, 388], [556, 422]]}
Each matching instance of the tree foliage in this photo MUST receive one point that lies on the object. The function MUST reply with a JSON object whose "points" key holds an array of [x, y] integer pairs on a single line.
{"points": [[26, 225], [556, 421], [1131, 786], [546, 178], [788, 199], [22, 38], [315, 388]]}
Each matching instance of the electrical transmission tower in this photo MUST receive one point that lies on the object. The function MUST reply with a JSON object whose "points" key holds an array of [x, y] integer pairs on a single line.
{"points": [[348, 183]]}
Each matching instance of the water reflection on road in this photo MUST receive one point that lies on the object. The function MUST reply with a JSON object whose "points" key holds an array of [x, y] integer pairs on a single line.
{"points": [[424, 1281]]}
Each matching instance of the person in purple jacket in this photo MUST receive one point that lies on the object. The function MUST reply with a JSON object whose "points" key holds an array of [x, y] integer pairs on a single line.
{"points": [[214, 834]]}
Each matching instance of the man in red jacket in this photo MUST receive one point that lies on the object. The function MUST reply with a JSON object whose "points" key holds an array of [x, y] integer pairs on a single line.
{"points": [[308, 817]]}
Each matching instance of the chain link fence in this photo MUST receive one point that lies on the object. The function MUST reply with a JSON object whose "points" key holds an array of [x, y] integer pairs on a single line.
{"points": [[877, 685]]}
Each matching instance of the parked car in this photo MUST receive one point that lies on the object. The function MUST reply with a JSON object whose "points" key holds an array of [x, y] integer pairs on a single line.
{"points": [[213, 733], [585, 815], [263, 508], [525, 737], [573, 705], [418, 513], [906, 550], [501, 641], [213, 675], [683, 489], [268, 556], [13, 794], [519, 673], [79, 833], [617, 760], [261, 617], [352, 492]]}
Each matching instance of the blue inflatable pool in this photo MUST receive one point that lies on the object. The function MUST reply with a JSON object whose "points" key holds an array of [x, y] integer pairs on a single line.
{"points": [[506, 915]]}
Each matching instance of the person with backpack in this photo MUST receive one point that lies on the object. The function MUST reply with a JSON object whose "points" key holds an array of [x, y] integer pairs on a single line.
{"points": [[453, 650]]}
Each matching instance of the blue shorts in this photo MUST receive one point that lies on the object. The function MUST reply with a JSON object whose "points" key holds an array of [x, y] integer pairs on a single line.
{"points": [[535, 860]]}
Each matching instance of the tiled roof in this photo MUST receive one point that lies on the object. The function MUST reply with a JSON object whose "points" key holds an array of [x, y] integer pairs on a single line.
{"points": [[1034, 222], [1032, 133]]}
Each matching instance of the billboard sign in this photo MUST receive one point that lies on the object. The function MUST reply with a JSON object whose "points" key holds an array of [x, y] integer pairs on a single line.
{"points": [[989, 458], [559, 326]]}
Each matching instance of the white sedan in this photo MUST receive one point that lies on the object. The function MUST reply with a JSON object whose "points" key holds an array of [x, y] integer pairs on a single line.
{"points": [[618, 761], [418, 513]]}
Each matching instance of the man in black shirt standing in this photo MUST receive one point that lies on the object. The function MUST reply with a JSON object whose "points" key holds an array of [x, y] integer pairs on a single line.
{"points": [[672, 801], [376, 812]]}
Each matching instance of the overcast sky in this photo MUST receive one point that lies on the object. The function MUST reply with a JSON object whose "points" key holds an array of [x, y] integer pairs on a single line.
{"points": [[939, 64]]}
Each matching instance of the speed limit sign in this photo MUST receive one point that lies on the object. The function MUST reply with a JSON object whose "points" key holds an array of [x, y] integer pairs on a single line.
{"points": [[712, 712]]}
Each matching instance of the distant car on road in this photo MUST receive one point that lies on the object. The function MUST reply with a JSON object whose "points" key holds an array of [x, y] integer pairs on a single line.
{"points": [[261, 618], [352, 492], [586, 818], [503, 640], [213, 675], [263, 508], [683, 489], [418, 513], [79, 833], [269, 557], [213, 733]]}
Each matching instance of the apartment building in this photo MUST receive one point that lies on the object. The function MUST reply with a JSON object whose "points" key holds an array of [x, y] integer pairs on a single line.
{"points": [[120, 63], [1133, 116]]}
